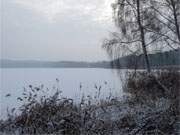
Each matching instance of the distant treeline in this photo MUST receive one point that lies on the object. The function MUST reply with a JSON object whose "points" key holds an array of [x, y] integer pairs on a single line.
{"points": [[51, 64], [158, 60]]}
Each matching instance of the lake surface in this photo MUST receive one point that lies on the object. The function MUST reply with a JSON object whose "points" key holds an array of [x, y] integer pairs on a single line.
{"points": [[13, 81]]}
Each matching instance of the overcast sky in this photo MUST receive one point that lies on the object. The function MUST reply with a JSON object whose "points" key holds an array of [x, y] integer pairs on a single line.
{"points": [[55, 29]]}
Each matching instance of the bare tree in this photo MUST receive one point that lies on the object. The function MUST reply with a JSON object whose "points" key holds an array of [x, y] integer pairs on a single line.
{"points": [[141, 28], [144, 26], [168, 16], [131, 17]]}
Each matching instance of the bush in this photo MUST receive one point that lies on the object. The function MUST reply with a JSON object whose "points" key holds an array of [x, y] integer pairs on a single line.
{"points": [[147, 86], [160, 91]]}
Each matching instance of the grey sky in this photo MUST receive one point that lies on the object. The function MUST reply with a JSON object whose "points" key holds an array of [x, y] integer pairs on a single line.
{"points": [[55, 29]]}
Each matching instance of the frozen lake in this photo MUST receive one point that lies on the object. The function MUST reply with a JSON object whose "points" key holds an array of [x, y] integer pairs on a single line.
{"points": [[13, 81]]}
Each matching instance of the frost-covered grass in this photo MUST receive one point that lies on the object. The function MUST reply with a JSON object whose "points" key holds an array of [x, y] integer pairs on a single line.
{"points": [[150, 109]]}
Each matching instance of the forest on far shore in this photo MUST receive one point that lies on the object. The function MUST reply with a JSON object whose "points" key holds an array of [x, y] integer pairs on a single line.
{"points": [[166, 59]]}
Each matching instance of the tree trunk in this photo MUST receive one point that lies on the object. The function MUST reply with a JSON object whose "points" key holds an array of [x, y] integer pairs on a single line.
{"points": [[143, 37]]}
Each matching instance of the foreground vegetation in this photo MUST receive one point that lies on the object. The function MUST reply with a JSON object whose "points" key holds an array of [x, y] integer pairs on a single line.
{"points": [[152, 107]]}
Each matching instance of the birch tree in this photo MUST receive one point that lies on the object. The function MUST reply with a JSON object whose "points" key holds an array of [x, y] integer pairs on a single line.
{"points": [[131, 19]]}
